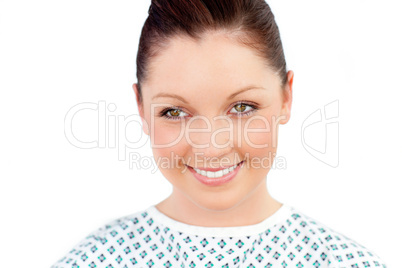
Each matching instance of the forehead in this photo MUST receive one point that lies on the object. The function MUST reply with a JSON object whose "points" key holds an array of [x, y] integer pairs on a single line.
{"points": [[215, 64]]}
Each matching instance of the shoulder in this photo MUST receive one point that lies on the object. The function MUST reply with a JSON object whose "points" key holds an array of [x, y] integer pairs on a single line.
{"points": [[107, 246], [337, 249]]}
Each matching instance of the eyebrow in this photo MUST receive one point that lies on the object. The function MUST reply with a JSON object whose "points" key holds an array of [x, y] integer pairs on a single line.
{"points": [[174, 96]]}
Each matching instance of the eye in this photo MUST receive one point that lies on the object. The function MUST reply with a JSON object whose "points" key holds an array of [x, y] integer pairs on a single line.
{"points": [[243, 109], [172, 113]]}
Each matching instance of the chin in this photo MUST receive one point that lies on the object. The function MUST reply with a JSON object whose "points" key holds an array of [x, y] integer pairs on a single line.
{"points": [[221, 203]]}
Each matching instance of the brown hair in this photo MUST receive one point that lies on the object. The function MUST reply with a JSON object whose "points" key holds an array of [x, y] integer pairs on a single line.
{"points": [[251, 22]]}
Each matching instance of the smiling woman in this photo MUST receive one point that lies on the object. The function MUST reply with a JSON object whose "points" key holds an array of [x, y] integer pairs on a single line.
{"points": [[216, 67], [212, 90]]}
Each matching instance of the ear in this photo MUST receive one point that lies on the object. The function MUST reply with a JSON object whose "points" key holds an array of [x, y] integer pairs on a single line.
{"points": [[140, 106], [287, 98]]}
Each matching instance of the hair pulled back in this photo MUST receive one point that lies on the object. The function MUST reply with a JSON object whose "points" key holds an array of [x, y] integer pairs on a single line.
{"points": [[251, 22]]}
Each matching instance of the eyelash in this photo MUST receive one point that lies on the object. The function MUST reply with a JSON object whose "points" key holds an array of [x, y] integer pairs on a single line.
{"points": [[253, 105]]}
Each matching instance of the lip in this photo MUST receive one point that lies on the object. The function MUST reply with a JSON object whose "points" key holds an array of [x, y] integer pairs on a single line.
{"points": [[217, 181], [216, 169]]}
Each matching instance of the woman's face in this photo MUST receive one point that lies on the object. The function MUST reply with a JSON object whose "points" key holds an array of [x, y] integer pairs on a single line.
{"points": [[222, 105]]}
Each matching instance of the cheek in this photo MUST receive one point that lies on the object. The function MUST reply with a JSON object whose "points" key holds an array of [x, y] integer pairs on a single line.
{"points": [[259, 141], [259, 133], [168, 145], [166, 134]]}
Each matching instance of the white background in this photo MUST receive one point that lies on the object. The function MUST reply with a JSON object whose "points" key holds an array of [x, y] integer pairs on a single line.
{"points": [[56, 54]]}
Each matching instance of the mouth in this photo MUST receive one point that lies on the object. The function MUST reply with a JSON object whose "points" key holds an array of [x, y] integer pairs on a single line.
{"points": [[220, 176]]}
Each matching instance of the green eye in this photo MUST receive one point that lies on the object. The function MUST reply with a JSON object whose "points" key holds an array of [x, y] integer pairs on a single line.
{"points": [[240, 109]]}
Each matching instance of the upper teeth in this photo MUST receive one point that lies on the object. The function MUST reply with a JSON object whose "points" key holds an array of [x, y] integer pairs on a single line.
{"points": [[217, 174]]}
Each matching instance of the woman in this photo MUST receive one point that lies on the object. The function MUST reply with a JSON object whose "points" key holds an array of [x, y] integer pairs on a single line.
{"points": [[212, 90]]}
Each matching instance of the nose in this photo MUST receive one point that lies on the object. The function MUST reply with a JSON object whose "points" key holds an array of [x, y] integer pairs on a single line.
{"points": [[210, 137]]}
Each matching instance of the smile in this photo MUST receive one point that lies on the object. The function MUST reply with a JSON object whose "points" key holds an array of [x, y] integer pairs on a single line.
{"points": [[216, 174], [214, 178]]}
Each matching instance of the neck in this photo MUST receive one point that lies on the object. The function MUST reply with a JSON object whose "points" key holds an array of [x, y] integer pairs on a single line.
{"points": [[254, 208]]}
